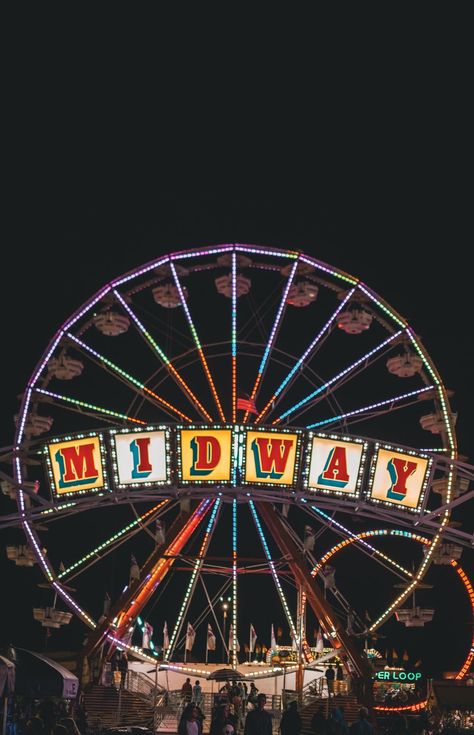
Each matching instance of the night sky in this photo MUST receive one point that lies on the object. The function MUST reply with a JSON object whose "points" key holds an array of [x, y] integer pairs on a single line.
{"points": [[88, 201]]}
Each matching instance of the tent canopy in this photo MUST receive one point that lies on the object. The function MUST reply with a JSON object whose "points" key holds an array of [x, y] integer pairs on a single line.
{"points": [[39, 676]]}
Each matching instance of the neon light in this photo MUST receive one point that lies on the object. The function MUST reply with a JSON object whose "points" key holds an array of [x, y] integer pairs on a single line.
{"points": [[234, 583], [197, 566], [339, 375], [303, 357], [381, 304], [271, 564], [369, 408], [273, 333], [464, 670], [197, 342], [127, 376], [111, 539], [138, 272], [62, 593], [234, 337], [327, 269], [404, 708], [262, 251], [162, 355], [45, 359], [83, 404], [163, 565]]}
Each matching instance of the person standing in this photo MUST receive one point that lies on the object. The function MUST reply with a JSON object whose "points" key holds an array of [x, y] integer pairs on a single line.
{"points": [[123, 668], [291, 722], [197, 693], [339, 678], [362, 726], [329, 674], [259, 721], [319, 722], [190, 724], [186, 692]]}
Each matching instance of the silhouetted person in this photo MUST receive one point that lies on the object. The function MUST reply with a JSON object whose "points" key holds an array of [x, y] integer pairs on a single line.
{"points": [[291, 723], [319, 722], [259, 721]]}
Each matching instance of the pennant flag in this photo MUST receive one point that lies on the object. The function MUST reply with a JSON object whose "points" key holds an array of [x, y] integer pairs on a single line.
{"points": [[246, 404], [211, 639], [134, 570], [418, 663], [279, 633], [146, 635], [273, 642], [166, 640], [246, 649], [127, 637], [285, 510], [159, 533], [308, 538], [319, 642], [394, 655], [106, 604], [252, 638], [231, 640], [405, 656], [62, 568], [190, 636], [367, 617], [386, 654]]}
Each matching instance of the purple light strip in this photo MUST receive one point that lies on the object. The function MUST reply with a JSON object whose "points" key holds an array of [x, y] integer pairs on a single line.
{"points": [[88, 305], [265, 251], [369, 408], [327, 269], [197, 253], [138, 272], [22, 421], [68, 599]]}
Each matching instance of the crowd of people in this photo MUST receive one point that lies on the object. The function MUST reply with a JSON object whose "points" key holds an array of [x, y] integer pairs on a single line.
{"points": [[47, 717]]}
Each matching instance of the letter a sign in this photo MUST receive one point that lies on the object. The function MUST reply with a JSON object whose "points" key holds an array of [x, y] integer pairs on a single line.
{"points": [[76, 466], [399, 478], [205, 455], [335, 465], [270, 457]]}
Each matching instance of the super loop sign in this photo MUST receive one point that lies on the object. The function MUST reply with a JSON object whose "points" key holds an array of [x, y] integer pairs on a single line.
{"points": [[234, 456]]}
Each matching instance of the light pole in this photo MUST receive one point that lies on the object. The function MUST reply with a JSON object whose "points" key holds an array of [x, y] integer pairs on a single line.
{"points": [[225, 605]]}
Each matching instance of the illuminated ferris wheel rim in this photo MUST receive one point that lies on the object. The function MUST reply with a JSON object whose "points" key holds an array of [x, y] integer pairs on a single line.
{"points": [[118, 291]]}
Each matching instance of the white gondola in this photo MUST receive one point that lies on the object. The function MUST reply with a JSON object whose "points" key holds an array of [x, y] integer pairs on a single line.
{"points": [[49, 617], [224, 285], [354, 321], [65, 367], [432, 422], [111, 323], [405, 366], [22, 555], [441, 486], [302, 294], [168, 295], [414, 617]]}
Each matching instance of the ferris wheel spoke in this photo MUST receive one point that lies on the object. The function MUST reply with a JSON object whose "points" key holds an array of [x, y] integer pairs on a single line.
{"points": [[197, 342], [161, 354], [272, 338], [389, 402], [105, 412], [312, 398], [273, 570], [234, 583], [306, 356], [234, 337], [194, 575], [112, 542], [139, 387]]}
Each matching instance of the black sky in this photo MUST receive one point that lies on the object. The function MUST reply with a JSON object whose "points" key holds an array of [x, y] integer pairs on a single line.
{"points": [[97, 184]]}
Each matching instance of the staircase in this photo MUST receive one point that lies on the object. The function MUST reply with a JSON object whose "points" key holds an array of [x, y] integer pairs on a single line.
{"points": [[347, 701], [109, 707]]}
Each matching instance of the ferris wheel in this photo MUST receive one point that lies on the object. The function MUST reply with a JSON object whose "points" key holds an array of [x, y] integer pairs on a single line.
{"points": [[233, 413]]}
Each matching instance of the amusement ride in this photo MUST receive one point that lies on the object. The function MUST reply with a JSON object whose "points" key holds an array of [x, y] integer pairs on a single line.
{"points": [[239, 420]]}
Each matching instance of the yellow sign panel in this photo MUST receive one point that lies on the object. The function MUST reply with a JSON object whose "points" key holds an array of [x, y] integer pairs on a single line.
{"points": [[398, 478], [206, 455], [270, 457], [76, 465]]}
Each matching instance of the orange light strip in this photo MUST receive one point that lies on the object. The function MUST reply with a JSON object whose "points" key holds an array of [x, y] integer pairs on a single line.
{"points": [[405, 708], [470, 591], [161, 567]]}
